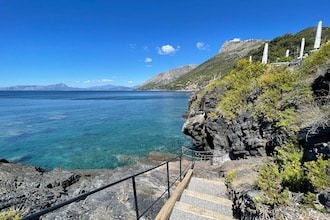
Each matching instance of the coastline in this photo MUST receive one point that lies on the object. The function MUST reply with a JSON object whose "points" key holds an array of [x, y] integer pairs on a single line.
{"points": [[28, 189]]}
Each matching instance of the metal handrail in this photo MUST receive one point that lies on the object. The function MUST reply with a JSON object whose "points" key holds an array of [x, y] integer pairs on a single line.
{"points": [[197, 154], [36, 215]]}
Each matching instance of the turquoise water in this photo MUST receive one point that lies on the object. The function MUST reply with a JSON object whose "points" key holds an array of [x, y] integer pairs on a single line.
{"points": [[89, 130]]}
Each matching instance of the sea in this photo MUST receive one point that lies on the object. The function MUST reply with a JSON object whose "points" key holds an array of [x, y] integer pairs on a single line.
{"points": [[89, 130]]}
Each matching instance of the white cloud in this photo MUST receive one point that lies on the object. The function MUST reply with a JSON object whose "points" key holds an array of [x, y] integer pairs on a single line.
{"points": [[130, 82], [148, 60], [107, 80], [167, 49], [202, 46]]}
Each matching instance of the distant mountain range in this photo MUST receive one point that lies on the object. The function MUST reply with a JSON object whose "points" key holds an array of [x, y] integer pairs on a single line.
{"points": [[63, 87]]}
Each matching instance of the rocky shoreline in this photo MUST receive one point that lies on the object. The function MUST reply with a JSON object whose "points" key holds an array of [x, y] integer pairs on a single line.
{"points": [[28, 189]]}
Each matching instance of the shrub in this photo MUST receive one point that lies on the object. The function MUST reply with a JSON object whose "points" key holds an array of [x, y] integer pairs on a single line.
{"points": [[270, 182], [292, 173], [308, 199], [237, 87], [287, 173], [318, 173], [10, 215], [231, 176], [316, 60]]}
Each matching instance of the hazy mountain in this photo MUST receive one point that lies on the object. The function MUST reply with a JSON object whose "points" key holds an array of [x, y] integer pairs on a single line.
{"points": [[55, 87], [161, 79], [63, 87], [109, 88]]}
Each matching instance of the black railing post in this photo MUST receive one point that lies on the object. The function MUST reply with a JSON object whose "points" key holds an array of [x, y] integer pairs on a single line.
{"points": [[168, 180], [192, 158], [135, 198], [181, 166]]}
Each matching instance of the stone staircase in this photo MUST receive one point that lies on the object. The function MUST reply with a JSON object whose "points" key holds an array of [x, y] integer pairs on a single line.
{"points": [[203, 200]]}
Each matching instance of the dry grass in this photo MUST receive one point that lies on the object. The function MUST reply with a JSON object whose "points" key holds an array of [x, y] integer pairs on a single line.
{"points": [[314, 116]]}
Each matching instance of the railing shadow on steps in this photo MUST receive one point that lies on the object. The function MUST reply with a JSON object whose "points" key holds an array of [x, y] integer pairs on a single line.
{"points": [[183, 170]]}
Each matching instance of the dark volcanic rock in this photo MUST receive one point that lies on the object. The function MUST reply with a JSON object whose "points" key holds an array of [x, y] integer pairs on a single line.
{"points": [[315, 139], [247, 136], [324, 199], [315, 144], [3, 160], [321, 87], [241, 138], [30, 189]]}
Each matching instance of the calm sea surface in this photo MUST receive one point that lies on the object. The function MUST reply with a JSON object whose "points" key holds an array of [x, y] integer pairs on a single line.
{"points": [[89, 130]]}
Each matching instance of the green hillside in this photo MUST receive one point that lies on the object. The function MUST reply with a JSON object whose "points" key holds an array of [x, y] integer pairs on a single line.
{"points": [[223, 62], [215, 67], [279, 45], [203, 74]]}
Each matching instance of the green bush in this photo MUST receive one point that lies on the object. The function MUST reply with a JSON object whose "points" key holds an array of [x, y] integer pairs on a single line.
{"points": [[316, 60], [237, 87], [270, 182], [288, 173], [318, 174], [231, 176], [291, 171], [10, 215], [308, 199]]}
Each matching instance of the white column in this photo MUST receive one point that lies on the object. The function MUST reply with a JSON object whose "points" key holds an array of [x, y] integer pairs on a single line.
{"points": [[317, 42], [287, 53], [250, 58], [265, 54], [302, 47]]}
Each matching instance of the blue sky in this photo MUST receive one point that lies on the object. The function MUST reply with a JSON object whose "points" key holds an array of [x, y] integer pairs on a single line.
{"points": [[85, 43]]}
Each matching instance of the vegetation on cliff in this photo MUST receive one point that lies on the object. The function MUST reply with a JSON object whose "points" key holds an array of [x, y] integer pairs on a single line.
{"points": [[291, 42], [284, 98], [288, 171]]}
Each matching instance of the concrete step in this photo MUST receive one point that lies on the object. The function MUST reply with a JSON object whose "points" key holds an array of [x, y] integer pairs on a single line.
{"points": [[208, 202], [183, 211], [211, 187]]}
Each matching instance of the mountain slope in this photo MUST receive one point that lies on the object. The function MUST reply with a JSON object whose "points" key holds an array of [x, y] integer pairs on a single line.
{"points": [[215, 67], [232, 51], [158, 81]]}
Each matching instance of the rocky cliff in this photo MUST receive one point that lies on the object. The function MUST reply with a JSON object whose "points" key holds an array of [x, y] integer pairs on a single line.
{"points": [[248, 134], [259, 110]]}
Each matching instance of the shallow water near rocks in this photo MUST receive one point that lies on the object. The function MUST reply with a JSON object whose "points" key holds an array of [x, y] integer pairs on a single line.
{"points": [[89, 130]]}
